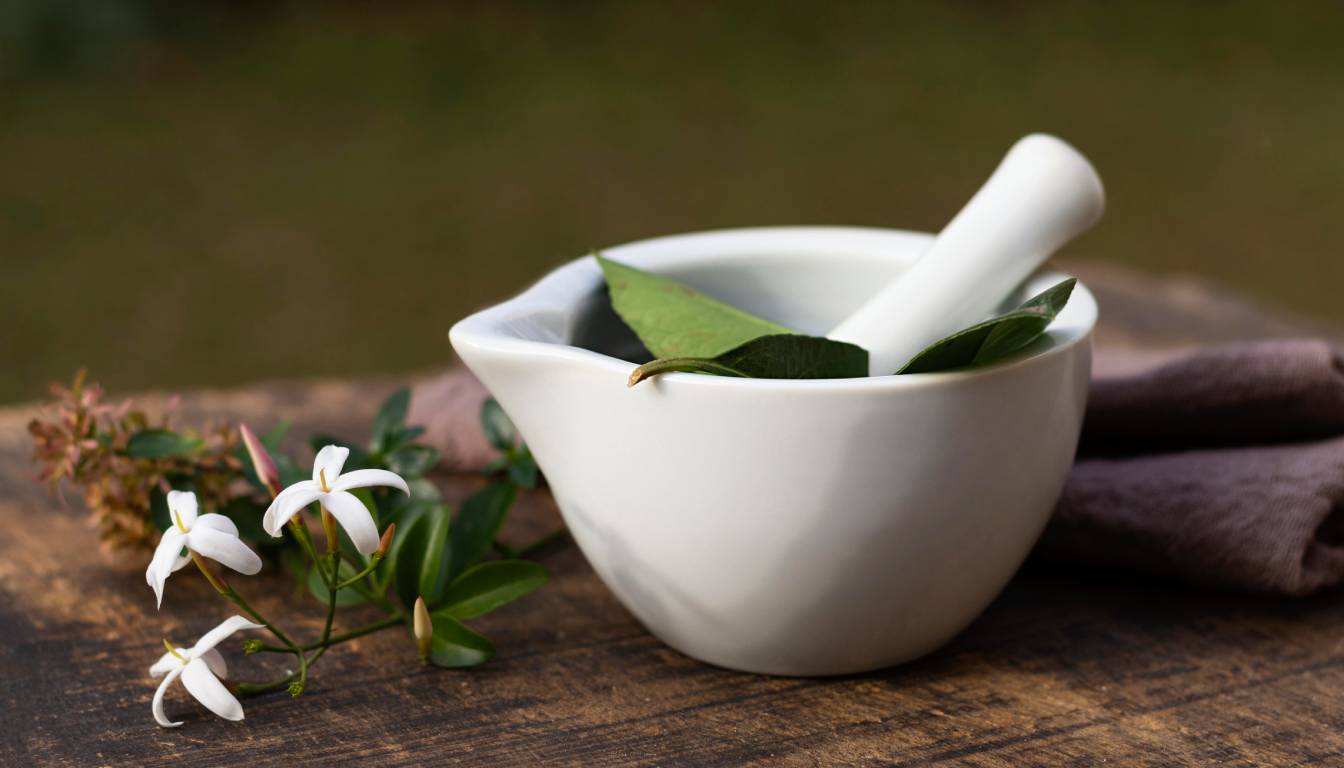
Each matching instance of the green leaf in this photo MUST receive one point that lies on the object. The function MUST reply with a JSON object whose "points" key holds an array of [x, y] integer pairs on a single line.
{"points": [[995, 338], [290, 473], [783, 356], [523, 468], [454, 645], [317, 586], [390, 419], [421, 570], [673, 319], [405, 516], [486, 586], [158, 510], [477, 523], [499, 430], [160, 444], [412, 460], [422, 490], [402, 436]]}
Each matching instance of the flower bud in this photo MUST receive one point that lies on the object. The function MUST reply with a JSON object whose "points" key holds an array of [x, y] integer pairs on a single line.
{"points": [[424, 629], [386, 541], [295, 688], [262, 462], [251, 646]]}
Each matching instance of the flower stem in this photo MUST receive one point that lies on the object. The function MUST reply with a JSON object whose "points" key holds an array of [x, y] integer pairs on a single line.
{"points": [[350, 582], [368, 629], [252, 689], [232, 595]]}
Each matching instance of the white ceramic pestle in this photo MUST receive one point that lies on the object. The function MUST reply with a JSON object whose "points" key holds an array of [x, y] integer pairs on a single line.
{"points": [[1043, 194]]}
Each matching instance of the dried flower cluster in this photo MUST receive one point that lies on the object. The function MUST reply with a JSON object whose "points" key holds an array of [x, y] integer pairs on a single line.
{"points": [[117, 458]]}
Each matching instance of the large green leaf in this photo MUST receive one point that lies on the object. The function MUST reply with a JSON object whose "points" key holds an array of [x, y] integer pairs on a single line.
{"points": [[421, 570], [782, 356], [412, 460], [673, 319], [995, 338], [160, 444], [390, 419], [486, 586], [478, 522], [454, 645]]}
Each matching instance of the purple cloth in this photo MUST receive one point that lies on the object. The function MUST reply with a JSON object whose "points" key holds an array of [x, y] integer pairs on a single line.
{"points": [[1223, 467]]}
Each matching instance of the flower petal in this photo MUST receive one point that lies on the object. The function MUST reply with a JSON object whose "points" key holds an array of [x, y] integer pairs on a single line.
{"points": [[219, 634], [182, 503], [216, 522], [288, 504], [165, 664], [363, 478], [215, 661], [225, 549], [329, 461], [207, 689], [157, 706], [165, 557], [355, 518]]}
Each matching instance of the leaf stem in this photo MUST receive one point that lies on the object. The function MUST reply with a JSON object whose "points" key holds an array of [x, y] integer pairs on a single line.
{"points": [[350, 582]]}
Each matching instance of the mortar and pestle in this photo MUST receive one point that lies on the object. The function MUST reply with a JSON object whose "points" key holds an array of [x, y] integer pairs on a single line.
{"points": [[812, 527]]}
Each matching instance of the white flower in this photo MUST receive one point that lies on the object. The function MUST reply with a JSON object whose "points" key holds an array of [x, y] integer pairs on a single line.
{"points": [[331, 489], [211, 535], [200, 668]]}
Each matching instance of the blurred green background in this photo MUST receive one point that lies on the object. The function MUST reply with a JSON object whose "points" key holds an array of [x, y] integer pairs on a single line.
{"points": [[210, 193]]}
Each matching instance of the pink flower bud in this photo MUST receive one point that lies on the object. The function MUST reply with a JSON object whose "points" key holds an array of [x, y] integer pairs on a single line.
{"points": [[262, 462]]}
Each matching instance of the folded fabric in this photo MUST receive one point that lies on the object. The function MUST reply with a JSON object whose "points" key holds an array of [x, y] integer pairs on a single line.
{"points": [[1212, 467], [1222, 466], [1261, 519], [1239, 394]]}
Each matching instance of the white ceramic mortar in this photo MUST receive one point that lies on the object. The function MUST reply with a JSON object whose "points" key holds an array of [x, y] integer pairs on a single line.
{"points": [[811, 527]]}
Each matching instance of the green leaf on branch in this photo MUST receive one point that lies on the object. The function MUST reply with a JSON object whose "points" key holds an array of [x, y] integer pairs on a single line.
{"points": [[523, 468], [391, 419], [412, 460], [497, 426], [422, 490], [161, 444], [486, 586], [421, 567], [995, 338], [673, 319], [454, 645], [317, 586], [782, 356], [477, 524]]}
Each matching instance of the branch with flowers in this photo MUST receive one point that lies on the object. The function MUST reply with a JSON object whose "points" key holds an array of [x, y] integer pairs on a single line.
{"points": [[383, 535]]}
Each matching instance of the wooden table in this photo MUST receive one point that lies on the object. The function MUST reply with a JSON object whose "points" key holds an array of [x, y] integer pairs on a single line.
{"points": [[1065, 667]]}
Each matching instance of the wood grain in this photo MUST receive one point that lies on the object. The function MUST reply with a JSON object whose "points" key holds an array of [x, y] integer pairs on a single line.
{"points": [[1065, 667]]}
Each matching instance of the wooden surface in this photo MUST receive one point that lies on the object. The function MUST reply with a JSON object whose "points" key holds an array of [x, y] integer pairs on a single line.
{"points": [[1065, 667]]}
